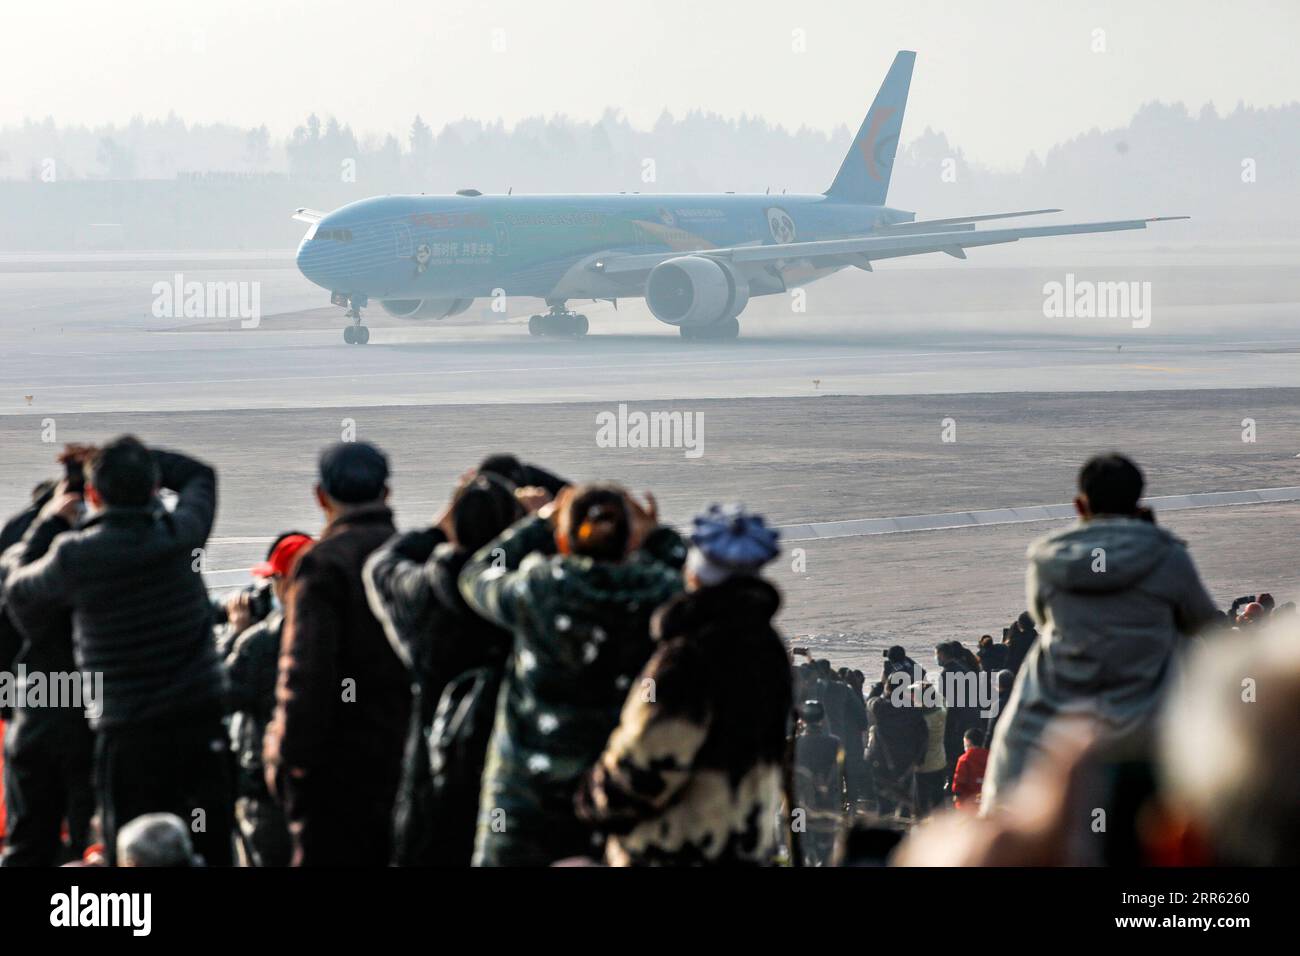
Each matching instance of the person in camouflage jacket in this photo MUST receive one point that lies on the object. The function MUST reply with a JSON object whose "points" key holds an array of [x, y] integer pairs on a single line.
{"points": [[581, 625]]}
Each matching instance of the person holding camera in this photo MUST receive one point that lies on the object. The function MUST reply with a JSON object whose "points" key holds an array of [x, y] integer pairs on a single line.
{"points": [[250, 650], [576, 583], [694, 774], [129, 573], [48, 749], [333, 750]]}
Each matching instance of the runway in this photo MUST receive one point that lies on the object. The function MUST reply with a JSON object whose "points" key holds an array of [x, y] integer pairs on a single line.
{"points": [[838, 414], [267, 369]]}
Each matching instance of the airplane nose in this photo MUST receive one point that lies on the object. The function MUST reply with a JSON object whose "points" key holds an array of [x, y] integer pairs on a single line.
{"points": [[310, 264]]}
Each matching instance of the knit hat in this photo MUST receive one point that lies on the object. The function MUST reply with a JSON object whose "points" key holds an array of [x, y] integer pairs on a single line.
{"points": [[727, 541]]}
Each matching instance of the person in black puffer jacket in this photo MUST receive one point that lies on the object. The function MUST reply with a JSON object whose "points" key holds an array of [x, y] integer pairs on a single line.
{"points": [[455, 658], [48, 749], [131, 575], [693, 774]]}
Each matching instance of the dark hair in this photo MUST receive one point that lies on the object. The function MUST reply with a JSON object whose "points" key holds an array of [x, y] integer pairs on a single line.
{"points": [[353, 472], [1112, 484], [504, 466], [974, 735], [124, 473], [481, 510], [599, 526], [986, 640]]}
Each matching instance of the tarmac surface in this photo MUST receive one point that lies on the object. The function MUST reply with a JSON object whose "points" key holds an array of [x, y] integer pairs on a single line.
{"points": [[832, 414]]}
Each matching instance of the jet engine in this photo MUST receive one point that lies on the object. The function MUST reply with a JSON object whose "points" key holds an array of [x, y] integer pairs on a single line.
{"points": [[694, 291], [425, 308]]}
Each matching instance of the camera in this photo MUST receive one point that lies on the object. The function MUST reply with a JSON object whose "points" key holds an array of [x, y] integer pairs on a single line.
{"points": [[259, 603], [74, 475]]}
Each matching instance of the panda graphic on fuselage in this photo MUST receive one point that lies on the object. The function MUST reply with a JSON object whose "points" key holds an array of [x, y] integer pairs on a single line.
{"points": [[780, 225]]}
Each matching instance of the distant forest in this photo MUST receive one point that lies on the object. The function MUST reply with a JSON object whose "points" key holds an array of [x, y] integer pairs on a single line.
{"points": [[176, 184]]}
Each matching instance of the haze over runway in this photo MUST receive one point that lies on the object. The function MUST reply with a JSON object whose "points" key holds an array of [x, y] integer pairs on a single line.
{"points": [[829, 414]]}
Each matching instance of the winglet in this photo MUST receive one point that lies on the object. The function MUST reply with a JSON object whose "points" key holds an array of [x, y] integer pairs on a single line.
{"points": [[303, 214]]}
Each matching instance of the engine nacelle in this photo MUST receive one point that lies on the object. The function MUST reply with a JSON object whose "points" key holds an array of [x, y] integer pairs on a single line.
{"points": [[694, 291], [425, 308]]}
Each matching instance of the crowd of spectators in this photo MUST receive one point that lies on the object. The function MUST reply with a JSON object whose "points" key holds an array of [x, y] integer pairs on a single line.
{"points": [[548, 674]]}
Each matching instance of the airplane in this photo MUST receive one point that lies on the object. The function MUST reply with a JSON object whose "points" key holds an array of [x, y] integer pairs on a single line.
{"points": [[696, 259]]}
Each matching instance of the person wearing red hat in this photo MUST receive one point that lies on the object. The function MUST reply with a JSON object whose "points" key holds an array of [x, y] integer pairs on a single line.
{"points": [[250, 650]]}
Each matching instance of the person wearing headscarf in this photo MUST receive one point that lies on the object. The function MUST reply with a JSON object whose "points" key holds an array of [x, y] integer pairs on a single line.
{"points": [[693, 774]]}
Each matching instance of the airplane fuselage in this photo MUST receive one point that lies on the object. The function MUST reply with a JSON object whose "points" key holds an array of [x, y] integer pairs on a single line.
{"points": [[426, 247]]}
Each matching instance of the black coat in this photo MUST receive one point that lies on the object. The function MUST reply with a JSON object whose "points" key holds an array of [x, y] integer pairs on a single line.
{"points": [[907, 666], [411, 586], [251, 659], [899, 736], [140, 611], [958, 720], [994, 658], [1019, 642], [27, 540]]}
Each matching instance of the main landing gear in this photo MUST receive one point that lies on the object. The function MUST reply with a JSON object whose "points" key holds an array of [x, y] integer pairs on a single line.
{"points": [[722, 329], [558, 321], [355, 333]]}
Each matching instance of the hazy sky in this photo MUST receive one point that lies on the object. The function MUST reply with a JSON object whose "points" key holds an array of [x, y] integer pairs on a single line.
{"points": [[1001, 78]]}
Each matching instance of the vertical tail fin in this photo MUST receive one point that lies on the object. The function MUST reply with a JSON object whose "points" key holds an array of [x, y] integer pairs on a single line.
{"points": [[864, 174]]}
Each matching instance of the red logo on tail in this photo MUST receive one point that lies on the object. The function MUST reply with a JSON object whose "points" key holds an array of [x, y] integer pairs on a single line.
{"points": [[878, 119]]}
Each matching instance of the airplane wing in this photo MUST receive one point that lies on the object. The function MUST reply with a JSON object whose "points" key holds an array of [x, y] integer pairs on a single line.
{"points": [[953, 238], [959, 222], [303, 214]]}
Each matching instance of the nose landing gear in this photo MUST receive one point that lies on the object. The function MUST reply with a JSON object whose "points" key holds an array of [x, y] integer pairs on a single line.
{"points": [[355, 333]]}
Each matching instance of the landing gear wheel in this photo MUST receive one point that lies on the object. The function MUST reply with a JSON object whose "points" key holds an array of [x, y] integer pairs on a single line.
{"points": [[722, 329], [558, 323], [727, 328], [349, 334], [362, 335]]}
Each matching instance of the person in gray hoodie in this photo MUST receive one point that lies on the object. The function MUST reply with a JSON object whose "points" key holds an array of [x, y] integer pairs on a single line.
{"points": [[1113, 596]]}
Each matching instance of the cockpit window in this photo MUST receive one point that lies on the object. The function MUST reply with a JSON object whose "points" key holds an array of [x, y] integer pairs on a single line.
{"points": [[337, 235]]}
